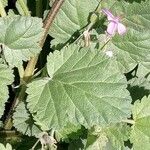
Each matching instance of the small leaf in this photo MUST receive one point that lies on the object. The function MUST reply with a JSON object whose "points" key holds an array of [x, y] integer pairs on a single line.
{"points": [[6, 78], [108, 138], [140, 134], [23, 121], [8, 147], [78, 90], [19, 38]]}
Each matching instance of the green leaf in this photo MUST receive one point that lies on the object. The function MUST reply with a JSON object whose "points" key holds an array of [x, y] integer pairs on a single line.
{"points": [[95, 142], [140, 134], [72, 17], [78, 90], [19, 38], [23, 121], [6, 78], [134, 47], [117, 134], [144, 70], [8, 147], [69, 132], [108, 138], [5, 2], [139, 85], [78, 144], [20, 8], [138, 88]]}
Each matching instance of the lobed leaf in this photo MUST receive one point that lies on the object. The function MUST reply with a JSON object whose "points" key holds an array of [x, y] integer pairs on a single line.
{"points": [[23, 121], [19, 38], [85, 87]]}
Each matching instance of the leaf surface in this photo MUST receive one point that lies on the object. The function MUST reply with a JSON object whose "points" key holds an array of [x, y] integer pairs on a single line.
{"points": [[8, 147], [111, 137], [23, 121], [78, 90], [134, 46], [6, 78], [72, 17], [19, 38], [140, 134]]}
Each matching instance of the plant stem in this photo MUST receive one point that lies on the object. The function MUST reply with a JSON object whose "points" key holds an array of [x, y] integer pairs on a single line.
{"points": [[2, 10], [31, 64], [46, 25], [129, 121], [24, 7]]}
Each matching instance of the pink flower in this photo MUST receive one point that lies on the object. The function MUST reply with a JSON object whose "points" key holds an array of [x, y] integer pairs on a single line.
{"points": [[114, 23]]}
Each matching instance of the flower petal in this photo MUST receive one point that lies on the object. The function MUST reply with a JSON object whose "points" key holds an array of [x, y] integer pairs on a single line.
{"points": [[110, 16], [121, 29], [112, 28]]}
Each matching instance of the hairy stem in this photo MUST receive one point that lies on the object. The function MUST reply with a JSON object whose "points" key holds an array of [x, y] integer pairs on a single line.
{"points": [[2, 10], [46, 25], [31, 64]]}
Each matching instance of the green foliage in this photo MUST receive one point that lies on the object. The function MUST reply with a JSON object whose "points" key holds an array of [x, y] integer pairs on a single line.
{"points": [[20, 8], [134, 47], [23, 121], [70, 132], [19, 38], [69, 21], [111, 137], [89, 89], [78, 92], [6, 78], [140, 133], [8, 147], [4, 2]]}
